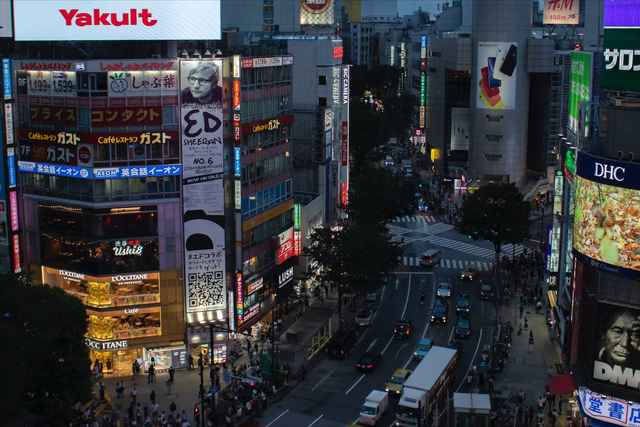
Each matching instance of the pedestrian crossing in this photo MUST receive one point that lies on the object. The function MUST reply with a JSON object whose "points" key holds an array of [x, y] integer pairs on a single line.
{"points": [[449, 263], [427, 219]]}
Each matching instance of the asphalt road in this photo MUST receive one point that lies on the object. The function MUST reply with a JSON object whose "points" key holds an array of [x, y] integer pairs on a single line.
{"points": [[334, 390]]}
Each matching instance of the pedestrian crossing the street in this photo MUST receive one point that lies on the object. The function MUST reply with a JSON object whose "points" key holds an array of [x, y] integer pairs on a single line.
{"points": [[449, 263], [427, 219]]}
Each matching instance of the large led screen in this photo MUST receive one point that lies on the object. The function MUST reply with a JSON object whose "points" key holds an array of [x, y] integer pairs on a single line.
{"points": [[46, 20], [496, 75], [202, 185], [620, 59], [607, 213]]}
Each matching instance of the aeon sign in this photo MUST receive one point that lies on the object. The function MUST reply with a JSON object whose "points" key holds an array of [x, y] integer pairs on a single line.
{"points": [[117, 20]]}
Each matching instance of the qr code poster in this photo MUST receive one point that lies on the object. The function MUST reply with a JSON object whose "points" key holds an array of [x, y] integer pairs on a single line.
{"points": [[204, 266]]}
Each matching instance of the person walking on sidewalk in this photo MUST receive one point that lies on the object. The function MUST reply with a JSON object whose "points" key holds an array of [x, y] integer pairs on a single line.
{"points": [[190, 362], [530, 343], [560, 401], [550, 371], [492, 384], [134, 393], [521, 310]]}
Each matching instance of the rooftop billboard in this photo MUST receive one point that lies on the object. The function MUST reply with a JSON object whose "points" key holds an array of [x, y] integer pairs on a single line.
{"points": [[47, 20], [561, 12], [580, 85]]}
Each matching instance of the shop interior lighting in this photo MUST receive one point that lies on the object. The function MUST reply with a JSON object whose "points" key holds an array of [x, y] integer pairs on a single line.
{"points": [[185, 54], [218, 53], [197, 53], [207, 54]]}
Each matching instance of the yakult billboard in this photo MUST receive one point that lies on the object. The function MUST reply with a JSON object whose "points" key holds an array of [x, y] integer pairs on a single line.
{"points": [[45, 20]]}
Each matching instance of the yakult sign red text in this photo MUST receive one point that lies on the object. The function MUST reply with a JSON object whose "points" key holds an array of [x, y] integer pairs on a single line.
{"points": [[117, 20]]}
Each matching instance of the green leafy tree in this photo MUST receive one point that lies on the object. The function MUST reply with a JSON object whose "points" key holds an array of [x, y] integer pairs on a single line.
{"points": [[377, 196], [496, 213], [397, 114], [47, 363], [355, 258], [365, 133]]}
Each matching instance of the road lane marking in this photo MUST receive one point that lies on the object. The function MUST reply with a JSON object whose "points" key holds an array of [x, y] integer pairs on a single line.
{"points": [[372, 343], [401, 348], [451, 334], [426, 328], [313, 389], [347, 392], [279, 416], [472, 359], [316, 420]]}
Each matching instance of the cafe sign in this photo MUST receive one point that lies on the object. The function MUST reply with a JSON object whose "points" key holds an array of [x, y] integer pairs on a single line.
{"points": [[106, 345]]}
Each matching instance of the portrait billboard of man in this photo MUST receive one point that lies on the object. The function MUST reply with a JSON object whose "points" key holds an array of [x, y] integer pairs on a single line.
{"points": [[618, 347]]}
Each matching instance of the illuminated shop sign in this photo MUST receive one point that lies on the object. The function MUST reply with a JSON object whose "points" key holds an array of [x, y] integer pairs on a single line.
{"points": [[126, 116], [53, 115], [6, 65], [236, 66], [609, 409], [285, 277], [570, 165], [621, 13], [344, 192], [13, 207], [285, 245], [236, 95], [51, 83], [239, 300], [72, 275], [237, 166], [137, 171], [40, 20], [238, 194], [267, 124], [607, 171], [561, 12], [621, 58], [8, 121], [17, 266], [141, 83], [73, 138], [345, 143], [38, 65], [255, 285], [136, 66], [580, 85], [106, 345], [251, 313], [130, 278], [236, 128], [338, 52], [124, 247], [297, 243], [11, 166], [296, 216], [131, 310]]}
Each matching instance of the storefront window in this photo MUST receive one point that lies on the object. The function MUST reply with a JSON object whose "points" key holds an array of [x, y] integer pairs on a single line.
{"points": [[319, 339], [124, 324], [118, 290]]}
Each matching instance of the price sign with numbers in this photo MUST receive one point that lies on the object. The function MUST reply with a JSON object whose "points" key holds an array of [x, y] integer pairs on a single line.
{"points": [[52, 83]]}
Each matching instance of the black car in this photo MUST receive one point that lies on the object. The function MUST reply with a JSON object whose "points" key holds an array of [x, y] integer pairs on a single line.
{"points": [[440, 311], [341, 343], [369, 361], [463, 304], [403, 328], [486, 289], [455, 345], [463, 327]]}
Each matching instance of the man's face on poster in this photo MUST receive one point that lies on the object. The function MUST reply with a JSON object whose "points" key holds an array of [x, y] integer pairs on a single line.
{"points": [[622, 339], [201, 86]]}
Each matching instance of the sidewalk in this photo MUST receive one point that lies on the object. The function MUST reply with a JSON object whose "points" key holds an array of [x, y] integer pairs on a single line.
{"points": [[528, 371], [184, 391]]}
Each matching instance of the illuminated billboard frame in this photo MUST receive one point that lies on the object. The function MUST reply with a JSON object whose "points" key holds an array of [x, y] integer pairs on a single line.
{"points": [[45, 20], [607, 209], [561, 12], [496, 74], [580, 86]]}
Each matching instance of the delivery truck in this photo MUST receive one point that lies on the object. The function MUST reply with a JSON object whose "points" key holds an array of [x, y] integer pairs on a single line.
{"points": [[425, 387], [374, 407]]}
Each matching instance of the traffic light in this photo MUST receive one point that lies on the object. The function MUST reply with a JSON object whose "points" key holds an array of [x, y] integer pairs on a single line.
{"points": [[196, 412]]}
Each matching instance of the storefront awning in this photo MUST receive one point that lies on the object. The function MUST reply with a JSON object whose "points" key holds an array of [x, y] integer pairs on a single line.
{"points": [[561, 384]]}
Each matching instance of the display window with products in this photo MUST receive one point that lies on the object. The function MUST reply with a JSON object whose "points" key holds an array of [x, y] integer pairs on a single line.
{"points": [[115, 363], [163, 359], [117, 290], [124, 324]]}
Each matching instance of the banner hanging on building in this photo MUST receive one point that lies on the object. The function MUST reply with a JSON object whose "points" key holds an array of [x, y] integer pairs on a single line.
{"points": [[203, 179]]}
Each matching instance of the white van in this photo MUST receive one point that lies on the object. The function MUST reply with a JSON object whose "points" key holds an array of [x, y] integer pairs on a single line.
{"points": [[430, 257]]}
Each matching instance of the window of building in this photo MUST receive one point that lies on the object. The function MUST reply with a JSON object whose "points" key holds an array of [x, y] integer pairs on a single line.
{"points": [[322, 80], [322, 102]]}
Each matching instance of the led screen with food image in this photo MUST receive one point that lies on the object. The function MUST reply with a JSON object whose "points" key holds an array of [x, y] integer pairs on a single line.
{"points": [[497, 75], [607, 223]]}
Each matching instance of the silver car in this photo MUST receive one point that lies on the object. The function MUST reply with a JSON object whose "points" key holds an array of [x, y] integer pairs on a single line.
{"points": [[363, 318], [444, 290]]}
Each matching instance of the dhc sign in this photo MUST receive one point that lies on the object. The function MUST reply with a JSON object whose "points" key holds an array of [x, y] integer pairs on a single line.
{"points": [[608, 171]]}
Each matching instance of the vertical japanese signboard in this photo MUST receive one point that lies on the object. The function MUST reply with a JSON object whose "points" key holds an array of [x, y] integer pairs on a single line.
{"points": [[580, 85], [423, 80], [621, 54], [344, 164], [203, 179]]}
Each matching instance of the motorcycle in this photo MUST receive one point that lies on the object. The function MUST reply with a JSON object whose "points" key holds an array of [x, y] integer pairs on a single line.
{"points": [[471, 375], [486, 353]]}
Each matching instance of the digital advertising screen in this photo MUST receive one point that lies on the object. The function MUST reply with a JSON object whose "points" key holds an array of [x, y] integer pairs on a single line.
{"points": [[496, 74], [459, 129], [561, 12], [607, 214], [580, 85], [203, 185], [46, 20], [620, 62]]}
